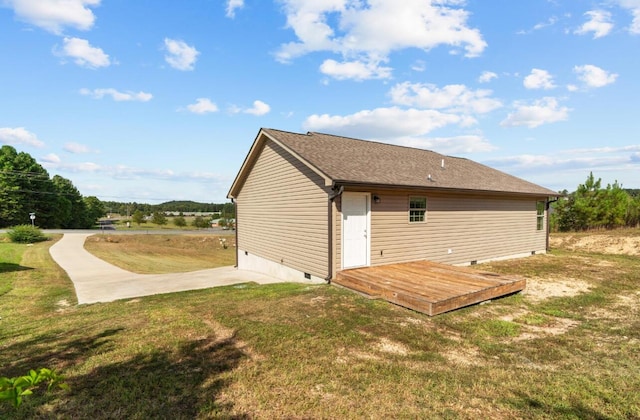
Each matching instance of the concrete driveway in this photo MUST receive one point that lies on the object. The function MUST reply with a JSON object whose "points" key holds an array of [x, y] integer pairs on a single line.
{"points": [[96, 280]]}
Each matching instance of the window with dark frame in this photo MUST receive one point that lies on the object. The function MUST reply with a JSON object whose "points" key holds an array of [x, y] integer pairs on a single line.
{"points": [[540, 210], [417, 209]]}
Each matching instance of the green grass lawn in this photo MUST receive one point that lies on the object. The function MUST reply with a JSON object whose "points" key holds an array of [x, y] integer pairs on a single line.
{"points": [[299, 351]]}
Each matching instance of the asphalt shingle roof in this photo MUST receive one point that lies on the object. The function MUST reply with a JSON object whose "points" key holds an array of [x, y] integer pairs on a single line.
{"points": [[352, 161]]}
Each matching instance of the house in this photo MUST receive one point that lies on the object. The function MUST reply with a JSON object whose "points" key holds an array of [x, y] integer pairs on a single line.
{"points": [[311, 205]]}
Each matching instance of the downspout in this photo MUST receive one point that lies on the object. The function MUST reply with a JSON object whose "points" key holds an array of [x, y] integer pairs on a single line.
{"points": [[331, 197], [548, 206], [236, 226]]}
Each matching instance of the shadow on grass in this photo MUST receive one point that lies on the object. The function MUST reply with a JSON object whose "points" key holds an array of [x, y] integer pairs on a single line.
{"points": [[566, 410], [176, 383], [53, 350], [9, 267]]}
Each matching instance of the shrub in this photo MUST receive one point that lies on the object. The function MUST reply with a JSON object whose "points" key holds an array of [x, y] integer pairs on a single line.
{"points": [[200, 222], [12, 390], [26, 234]]}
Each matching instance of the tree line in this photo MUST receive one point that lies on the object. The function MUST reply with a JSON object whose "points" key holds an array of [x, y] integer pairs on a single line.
{"points": [[160, 218], [128, 209], [27, 189], [592, 206]]}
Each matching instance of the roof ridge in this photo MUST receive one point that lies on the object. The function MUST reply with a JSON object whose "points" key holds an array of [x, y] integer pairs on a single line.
{"points": [[368, 141], [379, 142]]}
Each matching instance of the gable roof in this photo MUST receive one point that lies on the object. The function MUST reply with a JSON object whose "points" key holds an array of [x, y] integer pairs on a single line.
{"points": [[347, 161]]}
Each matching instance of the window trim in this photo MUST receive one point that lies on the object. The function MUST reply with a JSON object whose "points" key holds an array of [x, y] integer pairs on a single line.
{"points": [[540, 213], [419, 212]]}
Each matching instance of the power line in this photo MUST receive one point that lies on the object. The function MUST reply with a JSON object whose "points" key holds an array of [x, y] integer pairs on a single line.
{"points": [[44, 192], [35, 176]]}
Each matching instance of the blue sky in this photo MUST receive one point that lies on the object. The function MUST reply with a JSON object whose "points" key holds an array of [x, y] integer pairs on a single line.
{"points": [[151, 101]]}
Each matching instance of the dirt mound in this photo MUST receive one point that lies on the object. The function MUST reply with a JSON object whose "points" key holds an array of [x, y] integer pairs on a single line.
{"points": [[598, 243]]}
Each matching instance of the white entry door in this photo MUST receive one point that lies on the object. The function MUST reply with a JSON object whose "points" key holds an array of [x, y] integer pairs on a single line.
{"points": [[355, 229]]}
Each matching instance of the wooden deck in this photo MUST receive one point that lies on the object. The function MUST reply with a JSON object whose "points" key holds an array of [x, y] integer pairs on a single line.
{"points": [[428, 287]]}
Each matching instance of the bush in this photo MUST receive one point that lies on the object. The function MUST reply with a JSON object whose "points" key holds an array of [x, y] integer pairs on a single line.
{"points": [[159, 218], [26, 234], [200, 222], [12, 390], [179, 221]]}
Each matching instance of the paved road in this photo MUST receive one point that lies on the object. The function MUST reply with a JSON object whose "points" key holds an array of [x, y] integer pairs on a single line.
{"points": [[95, 280]]}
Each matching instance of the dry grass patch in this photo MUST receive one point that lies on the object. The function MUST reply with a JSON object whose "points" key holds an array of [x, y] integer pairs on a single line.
{"points": [[158, 254], [464, 357], [539, 289]]}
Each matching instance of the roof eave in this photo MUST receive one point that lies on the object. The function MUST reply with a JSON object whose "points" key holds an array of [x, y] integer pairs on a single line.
{"points": [[359, 184], [252, 155], [248, 160]]}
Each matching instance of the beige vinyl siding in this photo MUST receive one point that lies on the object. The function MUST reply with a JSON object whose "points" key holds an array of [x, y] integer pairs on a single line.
{"points": [[282, 213], [472, 227]]}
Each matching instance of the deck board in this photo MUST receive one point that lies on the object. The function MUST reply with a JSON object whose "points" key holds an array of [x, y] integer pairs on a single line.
{"points": [[428, 287]]}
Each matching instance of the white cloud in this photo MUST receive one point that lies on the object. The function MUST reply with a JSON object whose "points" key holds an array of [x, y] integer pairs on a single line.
{"points": [[538, 26], [635, 24], [76, 148], [259, 108], [450, 145], [179, 55], [54, 15], [51, 158], [83, 54], [419, 66], [202, 106], [384, 123], [541, 111], [582, 160], [232, 6], [487, 76], [594, 76], [368, 32], [528, 161], [539, 79], [19, 136], [117, 95], [606, 149], [599, 23], [82, 167], [550, 22], [356, 70], [634, 7], [124, 172], [455, 98]]}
